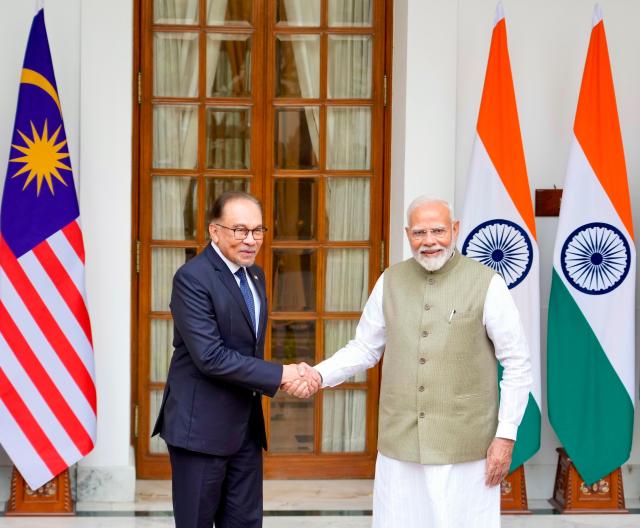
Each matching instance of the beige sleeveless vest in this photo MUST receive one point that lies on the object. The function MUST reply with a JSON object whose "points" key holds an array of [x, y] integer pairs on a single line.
{"points": [[439, 392]]}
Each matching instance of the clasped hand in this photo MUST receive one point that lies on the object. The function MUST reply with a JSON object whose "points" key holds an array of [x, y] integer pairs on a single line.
{"points": [[301, 380]]}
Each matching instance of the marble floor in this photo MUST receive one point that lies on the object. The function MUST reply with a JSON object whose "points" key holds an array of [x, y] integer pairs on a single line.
{"points": [[288, 504]]}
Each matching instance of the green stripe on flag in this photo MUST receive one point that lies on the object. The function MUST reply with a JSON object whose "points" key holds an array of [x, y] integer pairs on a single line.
{"points": [[528, 441], [589, 407]]}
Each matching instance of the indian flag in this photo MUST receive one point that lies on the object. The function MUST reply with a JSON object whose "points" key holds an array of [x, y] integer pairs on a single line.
{"points": [[497, 225], [590, 342]]}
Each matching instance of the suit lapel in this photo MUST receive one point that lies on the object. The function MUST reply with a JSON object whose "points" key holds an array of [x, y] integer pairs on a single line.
{"points": [[229, 281]]}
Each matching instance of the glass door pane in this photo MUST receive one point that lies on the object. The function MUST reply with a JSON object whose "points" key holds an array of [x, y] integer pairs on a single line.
{"points": [[197, 139], [292, 419], [284, 99]]}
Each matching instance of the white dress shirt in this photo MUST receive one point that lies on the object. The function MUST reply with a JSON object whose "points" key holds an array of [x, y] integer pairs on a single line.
{"points": [[233, 267], [502, 322]]}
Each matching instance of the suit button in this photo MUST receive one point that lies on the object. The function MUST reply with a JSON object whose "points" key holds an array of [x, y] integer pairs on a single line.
{"points": [[421, 388], [431, 281], [425, 333], [423, 361], [254, 393], [427, 307], [422, 415]]}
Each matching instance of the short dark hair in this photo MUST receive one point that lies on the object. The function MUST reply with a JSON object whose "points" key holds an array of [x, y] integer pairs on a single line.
{"points": [[218, 206]]}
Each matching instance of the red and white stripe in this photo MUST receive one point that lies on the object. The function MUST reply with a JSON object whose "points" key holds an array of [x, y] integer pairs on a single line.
{"points": [[47, 380]]}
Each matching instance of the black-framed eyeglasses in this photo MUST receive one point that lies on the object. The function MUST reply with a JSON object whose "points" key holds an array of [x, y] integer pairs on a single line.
{"points": [[240, 233]]}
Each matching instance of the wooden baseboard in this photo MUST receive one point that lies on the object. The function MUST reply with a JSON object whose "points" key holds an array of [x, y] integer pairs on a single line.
{"points": [[52, 499], [513, 494], [572, 495]]}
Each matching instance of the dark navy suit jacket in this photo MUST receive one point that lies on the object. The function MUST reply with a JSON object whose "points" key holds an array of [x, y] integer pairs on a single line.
{"points": [[217, 373]]}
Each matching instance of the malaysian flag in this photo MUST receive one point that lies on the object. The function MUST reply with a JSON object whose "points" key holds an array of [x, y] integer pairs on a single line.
{"points": [[47, 387]]}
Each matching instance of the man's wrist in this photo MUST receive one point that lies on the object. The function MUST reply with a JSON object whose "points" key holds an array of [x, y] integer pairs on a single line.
{"points": [[507, 431]]}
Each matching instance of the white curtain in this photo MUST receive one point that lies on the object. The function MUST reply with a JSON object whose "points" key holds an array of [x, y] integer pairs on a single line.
{"points": [[175, 200], [175, 11], [156, 444], [337, 333], [350, 12], [344, 421], [350, 66], [348, 208], [164, 263], [348, 212], [161, 349], [300, 13], [307, 56], [348, 138], [175, 138], [347, 279]]}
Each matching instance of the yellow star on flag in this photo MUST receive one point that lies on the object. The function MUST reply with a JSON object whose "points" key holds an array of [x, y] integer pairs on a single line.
{"points": [[42, 158]]}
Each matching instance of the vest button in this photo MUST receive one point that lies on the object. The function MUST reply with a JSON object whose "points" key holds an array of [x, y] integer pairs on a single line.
{"points": [[425, 333], [421, 388], [427, 307], [423, 361], [422, 415]]}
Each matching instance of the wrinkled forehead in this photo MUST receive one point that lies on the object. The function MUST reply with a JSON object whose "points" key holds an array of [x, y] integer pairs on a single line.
{"points": [[430, 215], [241, 211]]}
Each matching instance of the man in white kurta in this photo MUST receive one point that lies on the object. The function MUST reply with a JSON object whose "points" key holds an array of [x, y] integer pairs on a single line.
{"points": [[417, 428]]}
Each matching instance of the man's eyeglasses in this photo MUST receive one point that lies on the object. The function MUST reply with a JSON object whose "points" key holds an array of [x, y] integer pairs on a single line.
{"points": [[240, 233], [436, 232]]}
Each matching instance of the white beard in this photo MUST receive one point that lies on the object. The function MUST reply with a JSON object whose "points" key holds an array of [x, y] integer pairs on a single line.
{"points": [[434, 263]]}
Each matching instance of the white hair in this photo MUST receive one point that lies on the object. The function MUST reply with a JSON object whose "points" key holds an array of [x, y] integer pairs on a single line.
{"points": [[424, 200]]}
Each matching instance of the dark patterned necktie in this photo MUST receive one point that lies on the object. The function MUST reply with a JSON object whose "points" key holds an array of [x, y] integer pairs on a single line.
{"points": [[248, 297]]}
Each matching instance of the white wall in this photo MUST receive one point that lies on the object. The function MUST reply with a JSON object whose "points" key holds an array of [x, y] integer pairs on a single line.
{"points": [[548, 42], [440, 53], [424, 106], [91, 45]]}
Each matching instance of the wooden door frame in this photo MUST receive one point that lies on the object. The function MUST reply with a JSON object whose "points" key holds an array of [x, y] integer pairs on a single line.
{"points": [[156, 466]]}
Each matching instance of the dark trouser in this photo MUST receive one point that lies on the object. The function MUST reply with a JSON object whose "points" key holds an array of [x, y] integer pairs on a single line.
{"points": [[224, 489]]}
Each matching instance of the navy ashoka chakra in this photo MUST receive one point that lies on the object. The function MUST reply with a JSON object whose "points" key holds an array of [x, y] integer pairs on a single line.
{"points": [[502, 245], [595, 258]]}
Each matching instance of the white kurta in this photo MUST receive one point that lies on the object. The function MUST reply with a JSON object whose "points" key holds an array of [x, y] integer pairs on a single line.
{"points": [[411, 495]]}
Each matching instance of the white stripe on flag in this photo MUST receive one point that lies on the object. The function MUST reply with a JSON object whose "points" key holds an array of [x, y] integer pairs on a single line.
{"points": [[37, 405], [59, 310], [21, 451], [46, 355], [69, 259], [484, 181], [589, 196]]}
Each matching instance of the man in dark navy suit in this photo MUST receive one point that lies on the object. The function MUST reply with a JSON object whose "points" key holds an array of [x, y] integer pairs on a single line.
{"points": [[211, 413]]}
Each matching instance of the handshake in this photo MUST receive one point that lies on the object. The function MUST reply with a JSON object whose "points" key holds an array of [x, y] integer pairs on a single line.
{"points": [[301, 380]]}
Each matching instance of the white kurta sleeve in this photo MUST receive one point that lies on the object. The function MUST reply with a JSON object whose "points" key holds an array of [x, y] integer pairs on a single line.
{"points": [[504, 328], [365, 350]]}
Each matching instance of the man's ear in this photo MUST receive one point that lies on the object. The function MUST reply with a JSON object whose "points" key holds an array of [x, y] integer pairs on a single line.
{"points": [[456, 227], [213, 232]]}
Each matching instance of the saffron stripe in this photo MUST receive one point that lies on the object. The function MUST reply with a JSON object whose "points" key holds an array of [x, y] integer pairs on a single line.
{"points": [[49, 327], [499, 127], [29, 426], [74, 235], [46, 387], [65, 285]]}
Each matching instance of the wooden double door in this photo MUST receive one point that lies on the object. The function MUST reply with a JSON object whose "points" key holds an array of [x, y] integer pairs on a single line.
{"points": [[284, 99]]}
